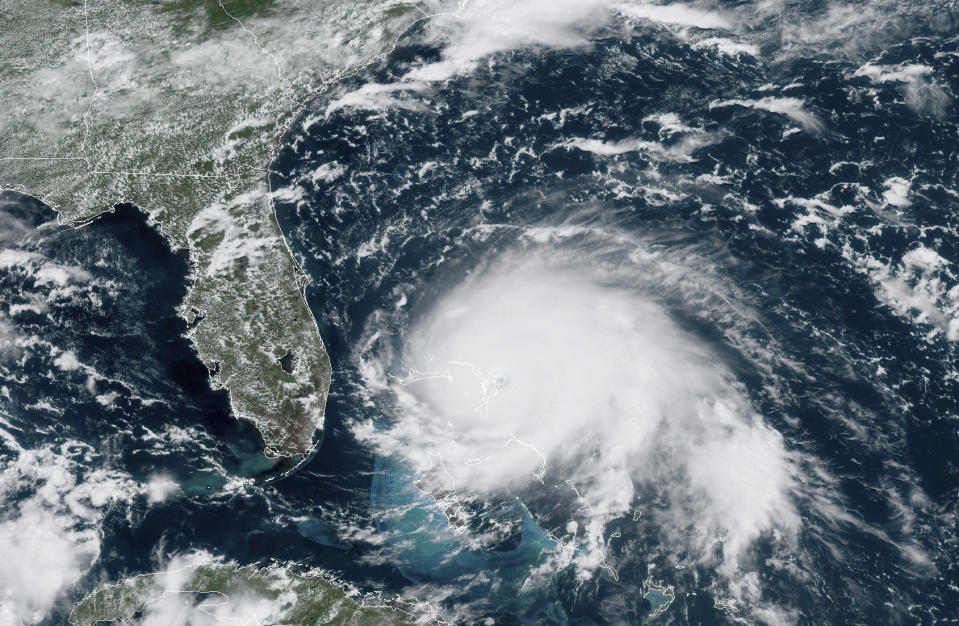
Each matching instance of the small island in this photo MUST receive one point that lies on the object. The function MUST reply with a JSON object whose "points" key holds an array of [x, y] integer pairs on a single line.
{"points": [[659, 597]]}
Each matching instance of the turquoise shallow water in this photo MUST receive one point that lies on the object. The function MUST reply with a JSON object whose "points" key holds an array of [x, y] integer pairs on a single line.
{"points": [[433, 552], [793, 218], [734, 170]]}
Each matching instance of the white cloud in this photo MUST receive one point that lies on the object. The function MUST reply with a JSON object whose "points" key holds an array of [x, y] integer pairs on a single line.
{"points": [[539, 370], [897, 192], [676, 152], [67, 361], [12, 258], [793, 108], [923, 94], [180, 609], [49, 536], [472, 31], [230, 221], [9, 339], [176, 596], [680, 14], [919, 287], [375, 96], [729, 47], [160, 487]]}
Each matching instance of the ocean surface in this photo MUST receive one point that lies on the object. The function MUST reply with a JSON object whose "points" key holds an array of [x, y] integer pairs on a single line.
{"points": [[635, 316]]}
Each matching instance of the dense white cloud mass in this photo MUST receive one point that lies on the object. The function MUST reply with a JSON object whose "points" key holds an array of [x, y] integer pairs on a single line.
{"points": [[551, 367], [181, 603], [793, 108], [50, 511], [470, 32]]}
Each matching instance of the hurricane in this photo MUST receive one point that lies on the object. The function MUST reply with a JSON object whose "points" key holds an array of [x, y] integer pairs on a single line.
{"points": [[634, 312], [590, 273], [558, 373]]}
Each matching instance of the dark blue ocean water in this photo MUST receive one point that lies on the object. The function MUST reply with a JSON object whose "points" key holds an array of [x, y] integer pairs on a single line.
{"points": [[426, 194]]}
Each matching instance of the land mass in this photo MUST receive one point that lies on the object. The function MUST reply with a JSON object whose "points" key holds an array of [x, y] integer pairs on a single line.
{"points": [[660, 597], [177, 107], [268, 595]]}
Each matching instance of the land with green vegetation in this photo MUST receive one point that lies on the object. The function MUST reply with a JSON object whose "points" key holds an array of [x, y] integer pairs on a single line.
{"points": [[266, 595], [177, 106]]}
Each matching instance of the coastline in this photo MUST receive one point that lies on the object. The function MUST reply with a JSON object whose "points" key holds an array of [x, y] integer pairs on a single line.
{"points": [[207, 191]]}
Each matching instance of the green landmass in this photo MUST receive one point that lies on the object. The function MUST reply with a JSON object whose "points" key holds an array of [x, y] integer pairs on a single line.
{"points": [[289, 598], [177, 106]]}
